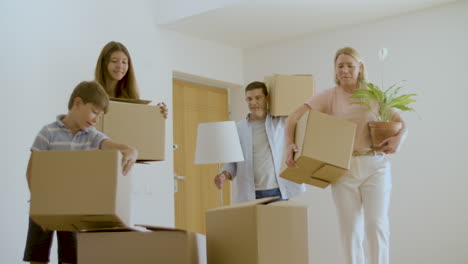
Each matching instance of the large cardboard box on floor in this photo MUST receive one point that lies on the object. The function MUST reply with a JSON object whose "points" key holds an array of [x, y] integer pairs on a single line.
{"points": [[139, 125], [79, 189], [258, 232], [288, 92], [325, 145], [160, 245]]}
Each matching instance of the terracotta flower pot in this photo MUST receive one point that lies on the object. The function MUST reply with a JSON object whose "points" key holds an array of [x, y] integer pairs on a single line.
{"points": [[382, 130]]}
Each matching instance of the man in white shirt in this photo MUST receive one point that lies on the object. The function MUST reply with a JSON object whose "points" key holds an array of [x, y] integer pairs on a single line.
{"points": [[262, 139]]}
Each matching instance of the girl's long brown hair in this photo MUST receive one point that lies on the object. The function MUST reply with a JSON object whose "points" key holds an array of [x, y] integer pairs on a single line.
{"points": [[127, 87]]}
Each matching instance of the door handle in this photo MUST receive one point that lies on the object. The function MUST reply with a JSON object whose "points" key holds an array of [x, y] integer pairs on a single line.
{"points": [[176, 183]]}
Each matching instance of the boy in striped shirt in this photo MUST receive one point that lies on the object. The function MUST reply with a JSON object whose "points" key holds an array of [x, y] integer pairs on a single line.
{"points": [[73, 131]]}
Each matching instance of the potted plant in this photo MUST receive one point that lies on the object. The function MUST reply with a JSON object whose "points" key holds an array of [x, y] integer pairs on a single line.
{"points": [[381, 102]]}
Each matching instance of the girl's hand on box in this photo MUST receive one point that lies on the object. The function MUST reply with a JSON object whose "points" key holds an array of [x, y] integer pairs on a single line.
{"points": [[163, 109]]}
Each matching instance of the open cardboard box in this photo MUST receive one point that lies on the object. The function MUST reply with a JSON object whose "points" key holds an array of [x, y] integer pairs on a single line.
{"points": [[158, 245], [325, 146], [258, 232], [79, 189], [137, 124]]}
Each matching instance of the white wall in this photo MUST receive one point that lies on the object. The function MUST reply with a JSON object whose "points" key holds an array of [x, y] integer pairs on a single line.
{"points": [[429, 50], [48, 48], [170, 11], [204, 58]]}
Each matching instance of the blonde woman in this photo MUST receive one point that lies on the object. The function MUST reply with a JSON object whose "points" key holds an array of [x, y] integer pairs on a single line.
{"points": [[362, 196]]}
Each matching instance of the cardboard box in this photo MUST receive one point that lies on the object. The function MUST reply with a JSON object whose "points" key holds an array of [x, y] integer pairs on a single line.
{"points": [[138, 125], [258, 232], [79, 189], [288, 92], [169, 246], [325, 146]]}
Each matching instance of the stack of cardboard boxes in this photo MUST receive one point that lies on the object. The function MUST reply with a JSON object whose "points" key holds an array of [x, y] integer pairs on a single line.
{"points": [[85, 191]]}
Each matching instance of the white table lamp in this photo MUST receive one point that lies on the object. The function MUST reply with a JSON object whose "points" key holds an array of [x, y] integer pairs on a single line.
{"points": [[218, 142]]}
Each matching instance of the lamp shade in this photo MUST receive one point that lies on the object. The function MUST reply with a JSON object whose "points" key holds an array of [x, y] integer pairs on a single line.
{"points": [[218, 142]]}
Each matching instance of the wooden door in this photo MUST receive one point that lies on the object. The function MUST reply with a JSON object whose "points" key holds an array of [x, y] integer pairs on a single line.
{"points": [[195, 189]]}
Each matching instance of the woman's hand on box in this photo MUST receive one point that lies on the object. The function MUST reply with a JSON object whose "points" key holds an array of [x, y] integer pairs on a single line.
{"points": [[290, 152]]}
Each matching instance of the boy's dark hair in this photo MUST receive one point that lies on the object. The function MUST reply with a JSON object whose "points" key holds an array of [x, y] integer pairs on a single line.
{"points": [[257, 85], [90, 92]]}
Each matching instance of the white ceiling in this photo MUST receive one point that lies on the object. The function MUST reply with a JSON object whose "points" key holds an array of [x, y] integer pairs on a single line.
{"points": [[253, 23]]}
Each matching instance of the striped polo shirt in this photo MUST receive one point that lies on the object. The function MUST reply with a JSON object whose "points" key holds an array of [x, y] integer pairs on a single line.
{"points": [[56, 136]]}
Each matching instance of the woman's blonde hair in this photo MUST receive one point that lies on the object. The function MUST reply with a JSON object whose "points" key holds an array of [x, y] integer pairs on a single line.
{"points": [[353, 53], [127, 87]]}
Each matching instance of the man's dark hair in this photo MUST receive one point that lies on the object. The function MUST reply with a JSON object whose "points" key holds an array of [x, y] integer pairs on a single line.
{"points": [[257, 85]]}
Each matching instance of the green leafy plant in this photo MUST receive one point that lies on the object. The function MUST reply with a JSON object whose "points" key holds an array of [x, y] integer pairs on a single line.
{"points": [[385, 100]]}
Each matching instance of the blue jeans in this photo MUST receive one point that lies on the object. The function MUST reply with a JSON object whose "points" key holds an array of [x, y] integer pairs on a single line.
{"points": [[269, 193]]}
